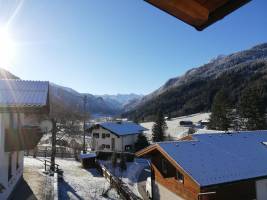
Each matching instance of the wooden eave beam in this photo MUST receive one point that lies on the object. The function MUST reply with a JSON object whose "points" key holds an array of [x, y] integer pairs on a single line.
{"points": [[221, 12], [189, 11], [198, 13]]}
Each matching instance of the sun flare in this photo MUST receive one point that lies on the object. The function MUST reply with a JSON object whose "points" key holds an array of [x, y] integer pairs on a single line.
{"points": [[7, 48]]}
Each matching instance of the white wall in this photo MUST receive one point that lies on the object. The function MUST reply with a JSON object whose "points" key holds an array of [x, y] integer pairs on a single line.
{"points": [[120, 142], [4, 157], [261, 189]]}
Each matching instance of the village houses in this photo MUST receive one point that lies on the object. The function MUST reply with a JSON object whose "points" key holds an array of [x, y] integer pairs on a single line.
{"points": [[117, 136]]}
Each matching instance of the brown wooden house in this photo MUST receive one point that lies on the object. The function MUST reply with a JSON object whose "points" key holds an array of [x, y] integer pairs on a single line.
{"points": [[198, 13], [210, 166]]}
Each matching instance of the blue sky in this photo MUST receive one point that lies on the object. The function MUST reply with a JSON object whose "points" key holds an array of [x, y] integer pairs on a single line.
{"points": [[119, 46]]}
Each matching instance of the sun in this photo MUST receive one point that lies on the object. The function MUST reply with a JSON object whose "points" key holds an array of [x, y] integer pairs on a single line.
{"points": [[7, 48]]}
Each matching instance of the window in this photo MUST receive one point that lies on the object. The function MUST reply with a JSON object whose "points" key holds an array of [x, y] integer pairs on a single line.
{"points": [[103, 135], [96, 135], [107, 135], [105, 146], [128, 147], [179, 177], [164, 166], [9, 166]]}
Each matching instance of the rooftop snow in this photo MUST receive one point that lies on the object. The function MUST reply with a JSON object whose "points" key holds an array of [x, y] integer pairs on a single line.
{"points": [[212, 159], [123, 128], [20, 93]]}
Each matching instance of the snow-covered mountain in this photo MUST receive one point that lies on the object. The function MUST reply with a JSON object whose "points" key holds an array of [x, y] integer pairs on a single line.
{"points": [[120, 100], [243, 64]]}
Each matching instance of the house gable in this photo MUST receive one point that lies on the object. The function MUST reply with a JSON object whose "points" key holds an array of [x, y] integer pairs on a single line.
{"points": [[186, 188]]}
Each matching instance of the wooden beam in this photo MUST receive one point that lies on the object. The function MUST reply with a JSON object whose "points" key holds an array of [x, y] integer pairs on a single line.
{"points": [[198, 13], [222, 11], [189, 11]]}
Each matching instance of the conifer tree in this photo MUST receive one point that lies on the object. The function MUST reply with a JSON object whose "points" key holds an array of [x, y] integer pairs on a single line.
{"points": [[159, 127], [220, 112], [141, 142], [252, 109]]}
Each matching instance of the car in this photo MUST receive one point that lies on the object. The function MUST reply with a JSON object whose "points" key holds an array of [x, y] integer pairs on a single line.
{"points": [[148, 187]]}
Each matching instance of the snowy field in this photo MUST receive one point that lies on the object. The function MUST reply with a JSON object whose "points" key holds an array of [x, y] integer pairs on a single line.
{"points": [[81, 184], [177, 131], [131, 175]]}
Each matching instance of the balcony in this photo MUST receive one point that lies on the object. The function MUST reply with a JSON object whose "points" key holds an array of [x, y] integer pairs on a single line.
{"points": [[25, 138]]}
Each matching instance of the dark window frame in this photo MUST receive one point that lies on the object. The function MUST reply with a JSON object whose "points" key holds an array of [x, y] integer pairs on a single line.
{"points": [[96, 135], [164, 166], [179, 176], [128, 147], [17, 160], [10, 166]]}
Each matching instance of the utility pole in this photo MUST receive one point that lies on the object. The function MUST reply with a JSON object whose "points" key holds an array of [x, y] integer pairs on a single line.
{"points": [[84, 118]]}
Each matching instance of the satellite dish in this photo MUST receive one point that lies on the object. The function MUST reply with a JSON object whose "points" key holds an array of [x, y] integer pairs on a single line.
{"points": [[46, 126]]}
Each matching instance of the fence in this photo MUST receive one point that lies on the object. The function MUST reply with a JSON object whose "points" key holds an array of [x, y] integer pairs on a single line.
{"points": [[47, 153], [121, 187]]}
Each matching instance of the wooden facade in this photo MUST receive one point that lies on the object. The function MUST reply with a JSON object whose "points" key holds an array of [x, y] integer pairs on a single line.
{"points": [[189, 189]]}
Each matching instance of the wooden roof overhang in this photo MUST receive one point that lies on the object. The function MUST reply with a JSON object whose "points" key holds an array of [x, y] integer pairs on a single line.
{"points": [[25, 109], [198, 13], [25, 138]]}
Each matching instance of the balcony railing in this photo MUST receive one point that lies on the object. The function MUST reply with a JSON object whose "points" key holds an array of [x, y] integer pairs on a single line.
{"points": [[25, 138]]}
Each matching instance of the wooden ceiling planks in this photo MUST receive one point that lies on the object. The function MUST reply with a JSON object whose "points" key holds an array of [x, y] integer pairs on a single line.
{"points": [[198, 13]]}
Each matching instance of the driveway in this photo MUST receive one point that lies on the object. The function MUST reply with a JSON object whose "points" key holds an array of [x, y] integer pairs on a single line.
{"points": [[34, 185], [142, 182]]}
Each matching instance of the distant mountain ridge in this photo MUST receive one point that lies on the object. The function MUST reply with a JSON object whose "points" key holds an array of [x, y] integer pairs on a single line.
{"points": [[105, 105], [182, 95]]}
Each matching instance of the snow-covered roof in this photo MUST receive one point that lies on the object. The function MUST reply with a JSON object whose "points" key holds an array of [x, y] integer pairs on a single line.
{"points": [[212, 159], [21, 93], [123, 128], [88, 155]]}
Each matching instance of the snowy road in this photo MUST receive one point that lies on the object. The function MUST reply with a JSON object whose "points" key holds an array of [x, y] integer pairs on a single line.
{"points": [[81, 184]]}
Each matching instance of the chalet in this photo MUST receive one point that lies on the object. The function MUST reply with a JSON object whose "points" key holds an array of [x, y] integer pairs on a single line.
{"points": [[115, 136], [210, 166], [18, 100]]}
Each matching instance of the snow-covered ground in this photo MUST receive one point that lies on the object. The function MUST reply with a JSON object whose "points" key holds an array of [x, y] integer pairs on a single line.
{"points": [[131, 175], [79, 183], [177, 131]]}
